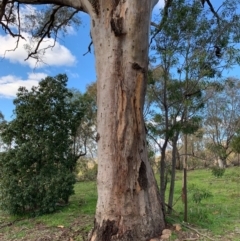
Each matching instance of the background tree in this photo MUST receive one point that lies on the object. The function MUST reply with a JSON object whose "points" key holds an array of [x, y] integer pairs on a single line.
{"points": [[84, 139], [168, 100], [223, 119], [37, 171], [190, 52]]}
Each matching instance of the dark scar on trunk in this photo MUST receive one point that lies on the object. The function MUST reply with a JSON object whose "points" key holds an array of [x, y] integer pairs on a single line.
{"points": [[97, 137], [115, 3], [108, 229], [95, 5], [136, 66], [142, 176], [117, 26]]}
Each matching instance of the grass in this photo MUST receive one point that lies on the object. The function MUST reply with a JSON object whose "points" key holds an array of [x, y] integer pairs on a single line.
{"points": [[77, 217], [220, 213]]}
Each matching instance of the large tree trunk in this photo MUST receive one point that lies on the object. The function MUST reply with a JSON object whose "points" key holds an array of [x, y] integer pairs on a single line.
{"points": [[128, 206]]}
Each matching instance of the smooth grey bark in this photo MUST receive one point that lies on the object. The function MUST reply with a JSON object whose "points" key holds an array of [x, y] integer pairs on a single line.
{"points": [[129, 206]]}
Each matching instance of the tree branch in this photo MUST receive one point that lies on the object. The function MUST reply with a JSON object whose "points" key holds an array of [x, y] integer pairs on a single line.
{"points": [[159, 27], [2, 8], [89, 46], [213, 11], [81, 5], [48, 25], [196, 231]]}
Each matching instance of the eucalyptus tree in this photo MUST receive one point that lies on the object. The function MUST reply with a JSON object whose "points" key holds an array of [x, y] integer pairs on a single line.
{"points": [[84, 140], [191, 51], [168, 100], [128, 206], [222, 120]]}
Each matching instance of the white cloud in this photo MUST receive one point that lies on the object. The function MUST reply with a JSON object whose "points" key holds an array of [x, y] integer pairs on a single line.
{"points": [[53, 56], [9, 84], [56, 56], [37, 76]]}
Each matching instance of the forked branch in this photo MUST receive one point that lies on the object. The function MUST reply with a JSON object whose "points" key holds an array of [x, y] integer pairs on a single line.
{"points": [[213, 11], [45, 31]]}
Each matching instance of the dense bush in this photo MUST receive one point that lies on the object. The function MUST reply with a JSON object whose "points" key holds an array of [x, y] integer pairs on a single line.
{"points": [[37, 168]]}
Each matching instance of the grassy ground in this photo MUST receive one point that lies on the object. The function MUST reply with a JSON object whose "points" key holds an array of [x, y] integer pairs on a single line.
{"points": [[70, 223], [219, 209], [217, 216]]}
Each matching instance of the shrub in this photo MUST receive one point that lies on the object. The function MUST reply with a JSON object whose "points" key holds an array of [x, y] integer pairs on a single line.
{"points": [[37, 171], [199, 194], [217, 171]]}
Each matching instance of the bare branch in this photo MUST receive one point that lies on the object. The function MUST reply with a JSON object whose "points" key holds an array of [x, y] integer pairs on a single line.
{"points": [[213, 11], [89, 48], [2, 9], [80, 5], [49, 26], [196, 231], [168, 4], [8, 18]]}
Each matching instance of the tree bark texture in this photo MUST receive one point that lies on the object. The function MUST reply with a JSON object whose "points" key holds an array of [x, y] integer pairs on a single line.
{"points": [[128, 206]]}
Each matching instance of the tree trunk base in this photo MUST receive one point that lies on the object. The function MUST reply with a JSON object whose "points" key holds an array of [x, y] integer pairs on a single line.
{"points": [[109, 231]]}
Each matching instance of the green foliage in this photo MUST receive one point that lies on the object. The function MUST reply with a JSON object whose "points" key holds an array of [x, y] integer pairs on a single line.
{"points": [[200, 215], [217, 171], [218, 149], [222, 118], [37, 169], [199, 194], [86, 170]]}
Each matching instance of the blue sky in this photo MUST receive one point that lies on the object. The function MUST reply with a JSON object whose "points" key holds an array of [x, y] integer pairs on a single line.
{"points": [[66, 57]]}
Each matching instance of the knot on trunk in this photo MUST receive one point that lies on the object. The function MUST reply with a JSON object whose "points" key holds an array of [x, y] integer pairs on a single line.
{"points": [[117, 26], [136, 66]]}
